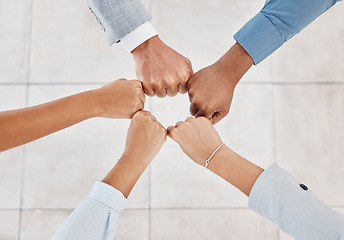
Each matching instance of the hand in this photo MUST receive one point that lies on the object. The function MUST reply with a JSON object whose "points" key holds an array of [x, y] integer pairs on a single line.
{"points": [[119, 99], [145, 138], [197, 138], [211, 89], [162, 70]]}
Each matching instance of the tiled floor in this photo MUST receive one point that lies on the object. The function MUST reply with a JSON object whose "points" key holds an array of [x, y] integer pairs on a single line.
{"points": [[289, 110]]}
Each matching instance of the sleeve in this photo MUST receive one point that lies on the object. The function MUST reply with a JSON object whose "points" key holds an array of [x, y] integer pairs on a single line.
{"points": [[96, 217], [276, 23], [279, 197], [118, 18]]}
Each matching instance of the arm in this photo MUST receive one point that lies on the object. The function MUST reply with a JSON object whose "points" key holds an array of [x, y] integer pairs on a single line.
{"points": [[97, 216], [162, 70], [119, 99], [211, 89], [273, 193]]}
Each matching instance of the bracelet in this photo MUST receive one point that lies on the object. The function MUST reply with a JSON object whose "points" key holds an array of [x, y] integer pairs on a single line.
{"points": [[217, 149]]}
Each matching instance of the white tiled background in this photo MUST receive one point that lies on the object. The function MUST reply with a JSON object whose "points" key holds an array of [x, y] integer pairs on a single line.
{"points": [[289, 109]]}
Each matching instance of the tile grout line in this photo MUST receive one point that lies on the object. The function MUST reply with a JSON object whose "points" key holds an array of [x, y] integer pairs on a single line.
{"points": [[26, 104], [274, 128], [149, 188], [150, 166]]}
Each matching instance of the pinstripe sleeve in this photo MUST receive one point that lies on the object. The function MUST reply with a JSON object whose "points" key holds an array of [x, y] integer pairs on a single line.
{"points": [[96, 218]]}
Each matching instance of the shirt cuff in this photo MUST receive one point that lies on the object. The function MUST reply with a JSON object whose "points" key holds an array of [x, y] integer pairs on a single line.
{"points": [[139, 36], [109, 196], [259, 37]]}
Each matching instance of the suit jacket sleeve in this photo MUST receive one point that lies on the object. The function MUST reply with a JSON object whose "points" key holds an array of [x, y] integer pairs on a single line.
{"points": [[118, 17], [293, 207]]}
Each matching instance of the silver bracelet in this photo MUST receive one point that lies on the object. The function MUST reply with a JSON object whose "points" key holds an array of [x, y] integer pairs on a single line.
{"points": [[217, 149]]}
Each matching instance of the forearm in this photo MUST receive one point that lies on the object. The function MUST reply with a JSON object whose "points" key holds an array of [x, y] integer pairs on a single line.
{"points": [[21, 126], [125, 174], [235, 63], [235, 169]]}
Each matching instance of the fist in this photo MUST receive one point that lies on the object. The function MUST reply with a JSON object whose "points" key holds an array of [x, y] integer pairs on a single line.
{"points": [[210, 93], [145, 137], [119, 99], [197, 137], [162, 70]]}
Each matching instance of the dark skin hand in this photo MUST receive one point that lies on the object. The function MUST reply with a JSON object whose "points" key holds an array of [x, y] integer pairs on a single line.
{"points": [[211, 89]]}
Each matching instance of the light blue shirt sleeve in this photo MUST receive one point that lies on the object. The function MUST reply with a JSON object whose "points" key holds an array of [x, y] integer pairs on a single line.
{"points": [[293, 207], [276, 23], [96, 218]]}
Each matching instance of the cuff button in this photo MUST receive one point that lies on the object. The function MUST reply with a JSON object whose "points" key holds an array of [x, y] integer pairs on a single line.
{"points": [[304, 187]]}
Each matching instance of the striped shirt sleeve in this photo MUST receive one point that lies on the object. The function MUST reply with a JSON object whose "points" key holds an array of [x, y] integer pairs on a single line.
{"points": [[96, 218]]}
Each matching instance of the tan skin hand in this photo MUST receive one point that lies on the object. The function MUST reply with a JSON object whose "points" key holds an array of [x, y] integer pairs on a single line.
{"points": [[161, 69], [211, 89], [198, 139], [119, 99], [144, 139]]}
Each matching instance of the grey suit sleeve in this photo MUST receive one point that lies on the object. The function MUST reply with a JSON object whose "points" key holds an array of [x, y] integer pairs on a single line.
{"points": [[118, 17], [279, 197]]}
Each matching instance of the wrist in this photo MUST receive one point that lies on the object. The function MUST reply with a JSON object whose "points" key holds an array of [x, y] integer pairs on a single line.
{"points": [[92, 100], [235, 63], [146, 46], [138, 161], [88, 104]]}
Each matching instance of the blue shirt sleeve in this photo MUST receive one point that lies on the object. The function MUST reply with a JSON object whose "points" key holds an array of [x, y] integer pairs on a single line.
{"points": [[276, 23]]}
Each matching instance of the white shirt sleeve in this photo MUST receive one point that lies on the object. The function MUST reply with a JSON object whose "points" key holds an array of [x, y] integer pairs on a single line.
{"points": [[96, 218], [293, 207], [139, 36]]}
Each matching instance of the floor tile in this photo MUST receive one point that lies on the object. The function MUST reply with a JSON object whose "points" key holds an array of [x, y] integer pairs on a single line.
{"points": [[15, 27], [203, 30], [69, 46], [67, 163], [41, 225], [211, 224], [11, 163], [177, 182], [285, 236], [314, 55], [133, 225], [11, 97], [9, 221], [309, 135]]}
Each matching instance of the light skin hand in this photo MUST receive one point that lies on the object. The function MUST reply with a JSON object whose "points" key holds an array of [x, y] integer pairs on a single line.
{"points": [[119, 99], [144, 139], [161, 69], [198, 139], [211, 89]]}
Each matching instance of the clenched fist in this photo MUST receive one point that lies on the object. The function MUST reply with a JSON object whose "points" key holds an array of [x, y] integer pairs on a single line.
{"points": [[119, 99], [162, 70], [197, 138], [211, 89], [145, 137]]}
